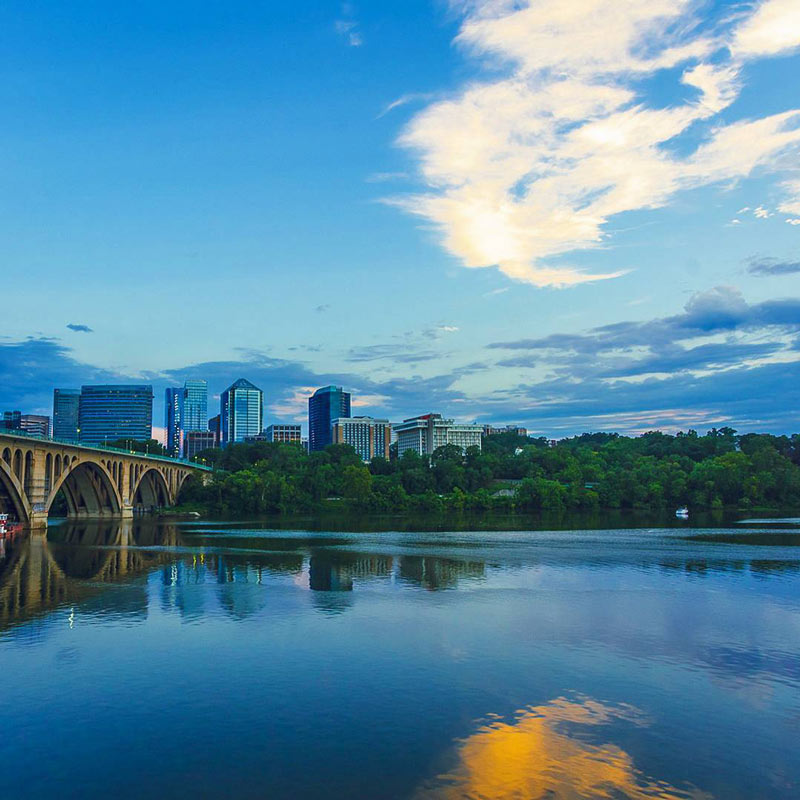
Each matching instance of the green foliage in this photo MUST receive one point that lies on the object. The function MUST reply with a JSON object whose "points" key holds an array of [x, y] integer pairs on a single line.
{"points": [[597, 470]]}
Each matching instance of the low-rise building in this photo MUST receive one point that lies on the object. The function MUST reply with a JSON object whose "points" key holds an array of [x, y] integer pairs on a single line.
{"points": [[369, 437], [282, 433], [195, 442], [35, 425], [426, 433], [491, 430]]}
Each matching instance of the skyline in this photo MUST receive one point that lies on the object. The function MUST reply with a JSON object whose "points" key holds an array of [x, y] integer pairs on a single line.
{"points": [[289, 195]]}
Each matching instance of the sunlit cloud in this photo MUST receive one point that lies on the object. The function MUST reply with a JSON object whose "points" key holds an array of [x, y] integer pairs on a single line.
{"points": [[545, 752], [525, 169]]}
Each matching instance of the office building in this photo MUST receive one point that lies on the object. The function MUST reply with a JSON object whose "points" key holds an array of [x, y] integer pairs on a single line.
{"points": [[11, 420], [173, 421], [241, 412], [35, 425], [369, 437], [195, 442], [195, 406], [215, 426], [428, 432], [324, 406], [66, 405], [115, 412], [282, 433]]}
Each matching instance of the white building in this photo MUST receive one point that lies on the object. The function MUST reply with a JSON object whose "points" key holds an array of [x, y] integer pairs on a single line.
{"points": [[426, 433]]}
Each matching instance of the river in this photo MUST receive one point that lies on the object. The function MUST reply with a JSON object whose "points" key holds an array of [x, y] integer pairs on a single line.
{"points": [[208, 659]]}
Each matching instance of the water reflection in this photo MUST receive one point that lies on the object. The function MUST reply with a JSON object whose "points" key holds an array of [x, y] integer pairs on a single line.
{"points": [[546, 753], [362, 657]]}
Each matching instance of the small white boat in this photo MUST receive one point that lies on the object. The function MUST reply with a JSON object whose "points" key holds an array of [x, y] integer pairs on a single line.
{"points": [[682, 513]]}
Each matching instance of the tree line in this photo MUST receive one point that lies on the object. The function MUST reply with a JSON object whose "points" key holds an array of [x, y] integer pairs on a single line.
{"points": [[511, 473]]}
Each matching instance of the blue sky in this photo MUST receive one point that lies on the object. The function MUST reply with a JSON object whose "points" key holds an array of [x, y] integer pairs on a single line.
{"points": [[575, 215]]}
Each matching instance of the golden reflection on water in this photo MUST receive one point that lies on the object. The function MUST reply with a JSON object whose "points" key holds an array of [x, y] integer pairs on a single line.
{"points": [[536, 757]]}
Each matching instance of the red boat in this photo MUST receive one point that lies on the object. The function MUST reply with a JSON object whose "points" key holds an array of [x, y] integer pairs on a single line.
{"points": [[7, 527]]}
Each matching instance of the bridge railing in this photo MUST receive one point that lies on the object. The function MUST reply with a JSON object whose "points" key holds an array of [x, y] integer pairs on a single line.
{"points": [[103, 448]]}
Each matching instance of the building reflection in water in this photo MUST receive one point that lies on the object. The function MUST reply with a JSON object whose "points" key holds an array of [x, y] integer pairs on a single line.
{"points": [[439, 573], [546, 752]]}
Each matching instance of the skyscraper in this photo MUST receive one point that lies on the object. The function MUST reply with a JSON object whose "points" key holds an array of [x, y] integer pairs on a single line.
{"points": [[195, 405], [111, 412], [173, 417], [241, 412], [66, 405], [11, 420], [324, 406]]}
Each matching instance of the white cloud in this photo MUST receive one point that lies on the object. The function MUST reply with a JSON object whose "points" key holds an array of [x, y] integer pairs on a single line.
{"points": [[528, 167], [773, 28], [761, 213], [348, 28]]}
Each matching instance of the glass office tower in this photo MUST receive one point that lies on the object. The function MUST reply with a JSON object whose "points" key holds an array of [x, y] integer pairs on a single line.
{"points": [[66, 403], [112, 412], [324, 406], [173, 419], [241, 412], [195, 406]]}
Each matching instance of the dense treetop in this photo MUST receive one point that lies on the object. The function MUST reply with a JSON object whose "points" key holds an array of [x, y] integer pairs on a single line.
{"points": [[594, 470]]}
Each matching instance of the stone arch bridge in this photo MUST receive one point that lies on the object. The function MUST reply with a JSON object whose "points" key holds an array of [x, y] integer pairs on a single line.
{"points": [[96, 482]]}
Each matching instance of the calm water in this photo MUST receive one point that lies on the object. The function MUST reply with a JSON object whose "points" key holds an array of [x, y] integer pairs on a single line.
{"points": [[205, 660]]}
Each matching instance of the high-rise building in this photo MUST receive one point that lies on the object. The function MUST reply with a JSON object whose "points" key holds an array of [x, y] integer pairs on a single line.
{"points": [[35, 425], [195, 405], [173, 420], [111, 412], [241, 412], [215, 426], [369, 437], [66, 405], [428, 432], [324, 406], [11, 420], [195, 442]]}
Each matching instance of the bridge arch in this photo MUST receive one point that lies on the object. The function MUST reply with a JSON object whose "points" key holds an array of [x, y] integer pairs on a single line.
{"points": [[88, 489], [12, 497], [151, 489]]}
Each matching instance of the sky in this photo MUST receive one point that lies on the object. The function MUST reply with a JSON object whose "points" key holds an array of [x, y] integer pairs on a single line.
{"points": [[573, 215]]}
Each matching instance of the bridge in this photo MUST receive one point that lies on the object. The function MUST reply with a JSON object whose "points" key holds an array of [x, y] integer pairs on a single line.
{"points": [[96, 482]]}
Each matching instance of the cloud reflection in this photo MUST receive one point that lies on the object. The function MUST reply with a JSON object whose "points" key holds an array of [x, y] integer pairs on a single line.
{"points": [[544, 753]]}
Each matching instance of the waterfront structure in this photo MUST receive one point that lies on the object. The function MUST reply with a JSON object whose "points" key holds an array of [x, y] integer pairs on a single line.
{"points": [[35, 425], [173, 419], [279, 433], [66, 406], [369, 437], [426, 433], [195, 442], [491, 430], [95, 482], [324, 406], [195, 405], [241, 412], [111, 412]]}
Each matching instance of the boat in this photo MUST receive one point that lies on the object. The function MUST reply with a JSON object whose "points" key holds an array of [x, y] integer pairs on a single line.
{"points": [[682, 513], [7, 527]]}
